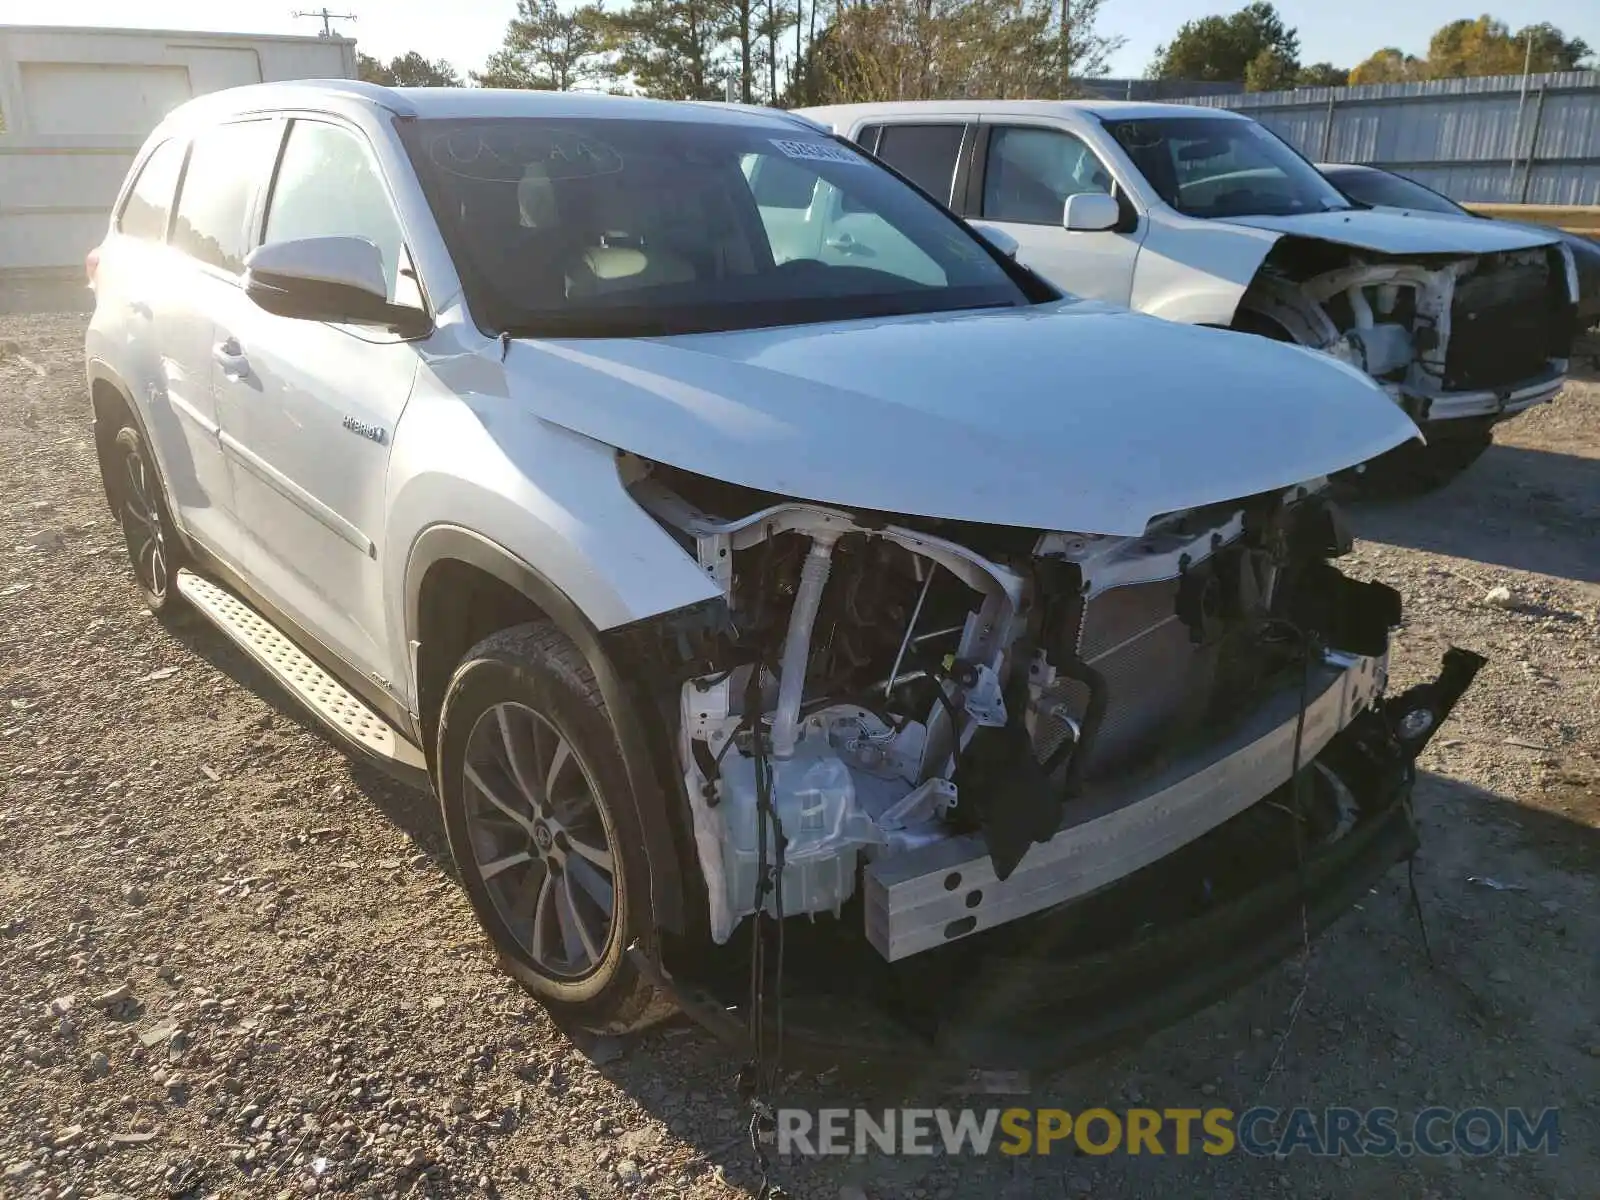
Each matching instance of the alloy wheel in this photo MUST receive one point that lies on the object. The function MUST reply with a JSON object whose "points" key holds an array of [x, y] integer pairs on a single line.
{"points": [[541, 840]]}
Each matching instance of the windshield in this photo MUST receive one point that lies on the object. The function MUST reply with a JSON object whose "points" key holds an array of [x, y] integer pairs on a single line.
{"points": [[1224, 167], [1383, 189], [609, 228]]}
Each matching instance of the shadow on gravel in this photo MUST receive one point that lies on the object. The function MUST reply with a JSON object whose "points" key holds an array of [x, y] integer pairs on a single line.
{"points": [[1529, 510], [1481, 935], [688, 1081], [411, 810]]}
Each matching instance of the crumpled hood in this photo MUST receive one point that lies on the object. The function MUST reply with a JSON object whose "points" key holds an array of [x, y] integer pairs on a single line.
{"points": [[1068, 416], [1404, 231]]}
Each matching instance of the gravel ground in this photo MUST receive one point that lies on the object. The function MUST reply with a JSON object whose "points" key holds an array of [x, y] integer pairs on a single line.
{"points": [[233, 962]]}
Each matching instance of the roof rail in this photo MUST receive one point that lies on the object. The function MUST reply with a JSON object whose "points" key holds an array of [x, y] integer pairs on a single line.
{"points": [[766, 110], [376, 92]]}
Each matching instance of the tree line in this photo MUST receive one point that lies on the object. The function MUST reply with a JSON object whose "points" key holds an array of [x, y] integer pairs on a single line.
{"points": [[788, 52], [793, 52]]}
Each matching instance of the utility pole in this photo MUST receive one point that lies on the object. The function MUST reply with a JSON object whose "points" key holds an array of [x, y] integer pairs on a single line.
{"points": [[1522, 102], [327, 19]]}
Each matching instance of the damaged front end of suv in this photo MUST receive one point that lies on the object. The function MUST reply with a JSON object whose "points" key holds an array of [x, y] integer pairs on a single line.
{"points": [[944, 739]]}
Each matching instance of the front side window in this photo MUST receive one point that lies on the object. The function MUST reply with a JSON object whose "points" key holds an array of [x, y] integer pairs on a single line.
{"points": [[1224, 167], [328, 186], [144, 213], [226, 165], [924, 154], [616, 227], [1032, 171]]}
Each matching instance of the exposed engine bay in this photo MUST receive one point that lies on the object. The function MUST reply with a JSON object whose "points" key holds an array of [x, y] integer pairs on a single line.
{"points": [[1423, 327], [878, 684]]}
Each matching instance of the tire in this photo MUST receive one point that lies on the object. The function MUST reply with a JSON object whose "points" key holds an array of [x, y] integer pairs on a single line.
{"points": [[537, 830], [154, 551], [1415, 470], [1409, 470]]}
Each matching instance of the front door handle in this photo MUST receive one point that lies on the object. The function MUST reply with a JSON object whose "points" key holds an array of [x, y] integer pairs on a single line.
{"points": [[229, 355]]}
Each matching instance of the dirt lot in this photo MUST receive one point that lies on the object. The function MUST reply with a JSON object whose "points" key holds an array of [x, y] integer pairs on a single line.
{"points": [[299, 999]]}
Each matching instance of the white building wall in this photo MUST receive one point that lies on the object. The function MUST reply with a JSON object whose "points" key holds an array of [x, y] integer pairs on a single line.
{"points": [[76, 103]]}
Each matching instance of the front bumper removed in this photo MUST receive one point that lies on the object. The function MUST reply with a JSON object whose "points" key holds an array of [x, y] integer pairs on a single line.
{"points": [[1155, 943], [950, 890]]}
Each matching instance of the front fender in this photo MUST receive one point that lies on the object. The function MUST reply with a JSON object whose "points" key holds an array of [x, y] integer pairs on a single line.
{"points": [[551, 498], [1195, 271], [641, 755]]}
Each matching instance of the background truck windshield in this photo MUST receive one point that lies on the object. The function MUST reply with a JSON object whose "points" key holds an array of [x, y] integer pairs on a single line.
{"points": [[1224, 167], [633, 228]]}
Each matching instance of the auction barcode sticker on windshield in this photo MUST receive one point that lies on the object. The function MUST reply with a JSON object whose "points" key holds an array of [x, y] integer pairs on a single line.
{"points": [[817, 151]]}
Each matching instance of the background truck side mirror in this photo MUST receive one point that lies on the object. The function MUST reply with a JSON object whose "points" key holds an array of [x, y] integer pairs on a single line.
{"points": [[1090, 212]]}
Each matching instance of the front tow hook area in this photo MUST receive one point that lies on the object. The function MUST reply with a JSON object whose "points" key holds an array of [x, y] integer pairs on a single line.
{"points": [[1416, 714]]}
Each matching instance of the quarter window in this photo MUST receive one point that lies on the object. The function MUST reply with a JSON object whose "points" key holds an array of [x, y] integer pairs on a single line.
{"points": [[145, 212], [924, 154], [219, 187], [867, 137], [328, 186], [1031, 172]]}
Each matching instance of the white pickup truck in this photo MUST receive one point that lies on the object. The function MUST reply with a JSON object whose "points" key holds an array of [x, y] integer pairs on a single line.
{"points": [[1204, 216]]}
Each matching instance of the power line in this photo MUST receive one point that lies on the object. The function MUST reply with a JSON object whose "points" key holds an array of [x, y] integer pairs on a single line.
{"points": [[327, 19]]}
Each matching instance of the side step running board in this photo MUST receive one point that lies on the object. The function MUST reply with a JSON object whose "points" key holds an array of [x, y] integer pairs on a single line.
{"points": [[296, 670]]}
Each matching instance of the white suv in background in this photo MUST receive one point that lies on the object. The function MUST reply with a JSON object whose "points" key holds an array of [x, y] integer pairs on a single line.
{"points": [[1204, 216], [707, 568]]}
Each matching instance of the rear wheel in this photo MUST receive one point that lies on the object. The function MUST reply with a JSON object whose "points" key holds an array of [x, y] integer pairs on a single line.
{"points": [[540, 819], [153, 549]]}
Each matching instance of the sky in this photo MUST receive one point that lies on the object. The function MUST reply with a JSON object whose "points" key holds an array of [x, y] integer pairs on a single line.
{"points": [[465, 31]]}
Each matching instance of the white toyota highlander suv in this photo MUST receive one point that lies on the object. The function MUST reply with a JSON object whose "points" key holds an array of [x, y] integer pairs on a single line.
{"points": [[712, 563]]}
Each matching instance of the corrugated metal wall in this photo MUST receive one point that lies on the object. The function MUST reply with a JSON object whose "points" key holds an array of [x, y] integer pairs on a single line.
{"points": [[1476, 140]]}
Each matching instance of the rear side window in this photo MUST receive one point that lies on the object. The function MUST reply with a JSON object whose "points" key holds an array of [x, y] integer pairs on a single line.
{"points": [[867, 137], [328, 186], [144, 213], [924, 154], [225, 166]]}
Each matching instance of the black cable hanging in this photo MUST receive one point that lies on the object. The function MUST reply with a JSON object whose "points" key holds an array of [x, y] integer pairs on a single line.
{"points": [[759, 1077]]}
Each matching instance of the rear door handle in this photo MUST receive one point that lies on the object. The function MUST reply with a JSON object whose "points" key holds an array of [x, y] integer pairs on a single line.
{"points": [[229, 355]]}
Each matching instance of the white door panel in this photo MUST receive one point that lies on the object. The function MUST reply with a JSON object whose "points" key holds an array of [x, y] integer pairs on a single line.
{"points": [[308, 488], [197, 475], [1029, 171], [154, 301], [1098, 266], [149, 290], [308, 409]]}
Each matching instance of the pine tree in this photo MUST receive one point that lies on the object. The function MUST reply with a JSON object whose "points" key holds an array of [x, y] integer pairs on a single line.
{"points": [[673, 49], [550, 49]]}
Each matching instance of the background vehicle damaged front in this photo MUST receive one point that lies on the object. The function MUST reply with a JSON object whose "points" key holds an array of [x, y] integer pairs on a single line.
{"points": [[1447, 336]]}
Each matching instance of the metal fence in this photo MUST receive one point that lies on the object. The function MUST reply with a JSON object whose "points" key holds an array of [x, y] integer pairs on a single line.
{"points": [[1495, 139]]}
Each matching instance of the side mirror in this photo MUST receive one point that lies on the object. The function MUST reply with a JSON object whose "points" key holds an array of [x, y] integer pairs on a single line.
{"points": [[998, 238], [1090, 212], [337, 279]]}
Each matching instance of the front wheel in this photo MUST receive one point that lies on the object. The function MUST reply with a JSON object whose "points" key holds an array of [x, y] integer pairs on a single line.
{"points": [[1415, 469], [539, 814]]}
